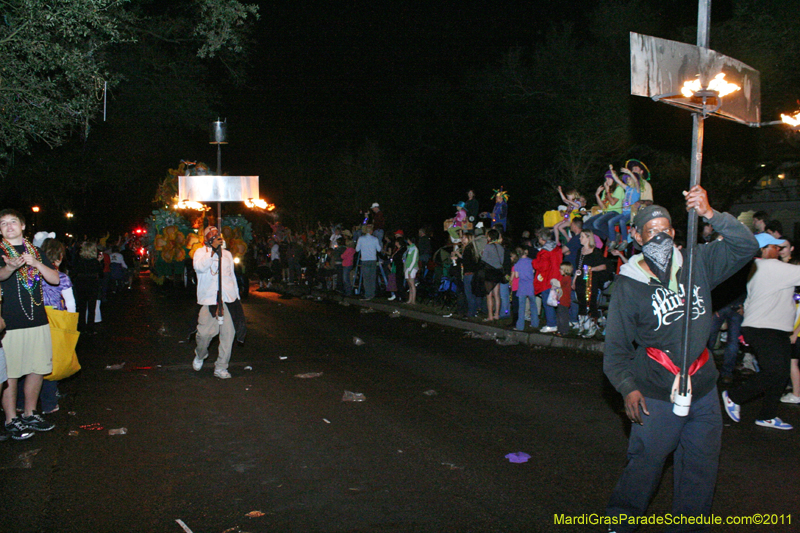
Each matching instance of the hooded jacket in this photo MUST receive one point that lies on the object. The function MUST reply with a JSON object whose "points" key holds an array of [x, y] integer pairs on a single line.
{"points": [[644, 313]]}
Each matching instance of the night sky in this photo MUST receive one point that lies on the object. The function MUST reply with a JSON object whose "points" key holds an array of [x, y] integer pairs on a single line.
{"points": [[332, 73]]}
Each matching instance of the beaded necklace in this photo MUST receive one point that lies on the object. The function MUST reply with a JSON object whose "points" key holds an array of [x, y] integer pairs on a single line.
{"points": [[27, 276]]}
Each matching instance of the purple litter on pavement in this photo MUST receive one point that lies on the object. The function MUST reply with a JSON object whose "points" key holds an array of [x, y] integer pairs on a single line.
{"points": [[518, 457]]}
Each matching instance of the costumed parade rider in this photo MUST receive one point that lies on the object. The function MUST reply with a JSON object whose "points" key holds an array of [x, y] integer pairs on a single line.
{"points": [[220, 314], [643, 356]]}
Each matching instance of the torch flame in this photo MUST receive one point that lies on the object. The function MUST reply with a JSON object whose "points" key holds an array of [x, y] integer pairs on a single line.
{"points": [[718, 84], [259, 203], [792, 120], [186, 204]]}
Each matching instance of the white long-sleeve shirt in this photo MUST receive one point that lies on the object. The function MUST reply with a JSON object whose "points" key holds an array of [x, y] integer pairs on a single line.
{"points": [[206, 265]]}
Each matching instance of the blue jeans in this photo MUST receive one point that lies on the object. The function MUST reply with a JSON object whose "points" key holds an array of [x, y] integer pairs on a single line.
{"points": [[734, 330], [521, 310], [505, 299], [573, 307], [472, 300], [599, 224], [696, 441], [550, 313], [622, 221], [369, 270], [346, 284]]}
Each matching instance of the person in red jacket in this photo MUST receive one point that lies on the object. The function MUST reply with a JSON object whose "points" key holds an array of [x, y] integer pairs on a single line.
{"points": [[547, 266]]}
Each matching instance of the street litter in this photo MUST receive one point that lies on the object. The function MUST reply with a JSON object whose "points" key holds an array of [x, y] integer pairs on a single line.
{"points": [[452, 466], [353, 396], [518, 457], [283, 357], [395, 314], [118, 431], [326, 420], [424, 325], [254, 514], [71, 413], [357, 341], [308, 375], [429, 392], [508, 341], [23, 460], [248, 368], [488, 336], [73, 433], [344, 304], [115, 367], [366, 310], [163, 331], [94, 426], [448, 315], [184, 526]]}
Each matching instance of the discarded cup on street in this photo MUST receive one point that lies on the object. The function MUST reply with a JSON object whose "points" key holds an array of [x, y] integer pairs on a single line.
{"points": [[23, 460], [283, 357], [395, 314], [357, 341], [308, 375], [118, 431], [429, 392], [248, 368], [254, 514], [353, 396], [115, 367]]}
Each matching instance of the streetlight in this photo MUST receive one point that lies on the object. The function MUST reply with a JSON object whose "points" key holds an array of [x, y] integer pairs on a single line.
{"points": [[35, 210]]}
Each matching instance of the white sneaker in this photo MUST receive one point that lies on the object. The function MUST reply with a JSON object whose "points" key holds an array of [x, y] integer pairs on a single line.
{"points": [[790, 398], [222, 374], [548, 329], [197, 363], [591, 331], [776, 423], [393, 297]]}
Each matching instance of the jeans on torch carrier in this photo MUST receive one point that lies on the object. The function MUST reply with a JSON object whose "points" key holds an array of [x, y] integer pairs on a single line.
{"points": [[696, 441]]}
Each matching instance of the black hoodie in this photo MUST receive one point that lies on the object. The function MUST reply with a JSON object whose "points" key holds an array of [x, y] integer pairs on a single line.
{"points": [[644, 313]]}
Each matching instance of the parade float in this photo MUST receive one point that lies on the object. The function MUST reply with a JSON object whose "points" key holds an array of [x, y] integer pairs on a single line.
{"points": [[174, 230]]}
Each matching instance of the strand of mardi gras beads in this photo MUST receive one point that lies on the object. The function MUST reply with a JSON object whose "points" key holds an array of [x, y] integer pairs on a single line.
{"points": [[27, 276]]}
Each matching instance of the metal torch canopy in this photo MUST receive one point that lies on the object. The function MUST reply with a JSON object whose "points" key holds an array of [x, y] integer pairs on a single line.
{"points": [[660, 67], [217, 188]]}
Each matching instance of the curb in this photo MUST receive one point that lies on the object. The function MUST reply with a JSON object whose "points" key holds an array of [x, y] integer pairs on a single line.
{"points": [[530, 339]]}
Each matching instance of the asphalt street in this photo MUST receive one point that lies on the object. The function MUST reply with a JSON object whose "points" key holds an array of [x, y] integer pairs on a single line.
{"points": [[425, 451]]}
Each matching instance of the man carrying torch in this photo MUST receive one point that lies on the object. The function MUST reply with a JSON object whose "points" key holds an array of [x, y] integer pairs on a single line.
{"points": [[642, 359], [218, 294]]}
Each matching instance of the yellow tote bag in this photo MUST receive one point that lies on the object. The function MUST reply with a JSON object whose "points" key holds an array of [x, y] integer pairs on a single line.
{"points": [[64, 334]]}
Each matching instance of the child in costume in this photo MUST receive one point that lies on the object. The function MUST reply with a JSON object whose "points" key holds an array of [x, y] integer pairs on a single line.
{"points": [[572, 202], [499, 214]]}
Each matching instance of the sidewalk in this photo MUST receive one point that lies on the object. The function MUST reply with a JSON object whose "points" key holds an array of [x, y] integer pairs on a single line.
{"points": [[426, 314]]}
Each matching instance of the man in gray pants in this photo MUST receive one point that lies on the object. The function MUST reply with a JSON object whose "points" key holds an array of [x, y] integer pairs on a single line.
{"points": [[212, 320]]}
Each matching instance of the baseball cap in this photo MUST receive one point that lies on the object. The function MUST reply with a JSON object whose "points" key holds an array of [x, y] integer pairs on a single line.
{"points": [[646, 214], [765, 239]]}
